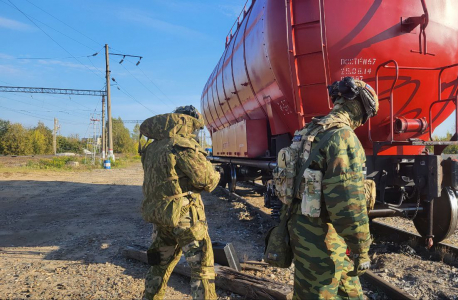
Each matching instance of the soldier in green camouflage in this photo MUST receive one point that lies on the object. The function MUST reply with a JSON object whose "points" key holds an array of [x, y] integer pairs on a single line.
{"points": [[322, 228], [176, 171]]}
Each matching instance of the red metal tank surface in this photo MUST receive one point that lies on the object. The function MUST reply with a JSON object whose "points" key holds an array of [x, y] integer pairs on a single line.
{"points": [[281, 56]]}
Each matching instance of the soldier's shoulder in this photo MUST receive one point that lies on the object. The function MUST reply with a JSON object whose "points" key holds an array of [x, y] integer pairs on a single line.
{"points": [[344, 138]]}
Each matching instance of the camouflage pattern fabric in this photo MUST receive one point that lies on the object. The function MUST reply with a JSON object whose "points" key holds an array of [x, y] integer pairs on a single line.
{"points": [[174, 164], [370, 193], [170, 243], [311, 198], [175, 172], [319, 244], [321, 263]]}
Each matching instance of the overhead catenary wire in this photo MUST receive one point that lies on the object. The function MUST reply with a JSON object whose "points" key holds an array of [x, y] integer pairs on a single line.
{"points": [[38, 116], [91, 48], [145, 86], [54, 105], [156, 85], [63, 48], [132, 97], [65, 24]]}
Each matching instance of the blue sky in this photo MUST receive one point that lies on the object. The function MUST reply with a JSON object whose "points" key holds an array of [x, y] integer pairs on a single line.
{"points": [[180, 42]]}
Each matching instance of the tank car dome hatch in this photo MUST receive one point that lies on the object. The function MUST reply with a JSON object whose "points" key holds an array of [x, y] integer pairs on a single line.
{"points": [[276, 65]]}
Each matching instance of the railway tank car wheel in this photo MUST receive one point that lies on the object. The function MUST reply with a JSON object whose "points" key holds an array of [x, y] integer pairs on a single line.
{"points": [[445, 219]]}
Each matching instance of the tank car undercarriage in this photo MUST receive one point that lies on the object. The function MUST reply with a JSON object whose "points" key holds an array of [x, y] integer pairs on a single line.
{"points": [[421, 188]]}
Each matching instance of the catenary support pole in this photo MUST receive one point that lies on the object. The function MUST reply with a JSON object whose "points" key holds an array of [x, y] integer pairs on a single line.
{"points": [[104, 149], [54, 137], [110, 124]]}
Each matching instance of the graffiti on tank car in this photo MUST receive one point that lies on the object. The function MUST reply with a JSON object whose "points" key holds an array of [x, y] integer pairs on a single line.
{"points": [[358, 67], [284, 107]]}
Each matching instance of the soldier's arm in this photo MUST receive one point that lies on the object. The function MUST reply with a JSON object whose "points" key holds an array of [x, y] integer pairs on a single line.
{"points": [[343, 189], [198, 169]]}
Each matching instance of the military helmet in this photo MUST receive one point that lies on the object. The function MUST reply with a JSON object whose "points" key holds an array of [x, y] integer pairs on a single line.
{"points": [[350, 88], [193, 112], [188, 110]]}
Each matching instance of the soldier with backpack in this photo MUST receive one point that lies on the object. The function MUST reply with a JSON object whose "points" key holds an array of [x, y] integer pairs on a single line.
{"points": [[320, 179], [176, 171]]}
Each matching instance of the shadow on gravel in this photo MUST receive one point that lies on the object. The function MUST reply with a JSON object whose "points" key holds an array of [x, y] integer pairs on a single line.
{"points": [[93, 223], [89, 223]]}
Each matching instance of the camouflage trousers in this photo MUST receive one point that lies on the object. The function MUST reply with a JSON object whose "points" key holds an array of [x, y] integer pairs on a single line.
{"points": [[191, 238], [320, 260]]}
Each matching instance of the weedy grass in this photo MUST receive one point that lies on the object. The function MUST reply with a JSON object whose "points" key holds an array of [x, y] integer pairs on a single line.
{"points": [[123, 161], [63, 163]]}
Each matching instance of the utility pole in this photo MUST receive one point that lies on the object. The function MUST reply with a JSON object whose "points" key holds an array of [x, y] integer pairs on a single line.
{"points": [[104, 149], [54, 137], [95, 147], [110, 125]]}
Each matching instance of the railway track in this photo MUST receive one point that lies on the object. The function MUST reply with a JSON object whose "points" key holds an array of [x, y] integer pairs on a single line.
{"points": [[376, 282], [401, 234]]}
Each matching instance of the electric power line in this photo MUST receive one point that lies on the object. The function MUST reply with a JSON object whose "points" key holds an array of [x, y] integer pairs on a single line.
{"points": [[156, 85], [144, 85], [64, 23], [52, 38], [80, 111], [132, 97]]}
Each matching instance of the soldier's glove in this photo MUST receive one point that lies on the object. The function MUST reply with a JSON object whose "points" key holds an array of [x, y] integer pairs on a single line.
{"points": [[362, 263]]}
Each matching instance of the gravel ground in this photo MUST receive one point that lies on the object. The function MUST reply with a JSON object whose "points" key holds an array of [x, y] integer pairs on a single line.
{"points": [[62, 233]]}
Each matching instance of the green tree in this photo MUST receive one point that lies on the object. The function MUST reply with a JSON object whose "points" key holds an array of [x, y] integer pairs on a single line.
{"points": [[69, 144], [122, 141], [450, 149], [3, 129], [136, 132], [16, 140], [41, 139]]}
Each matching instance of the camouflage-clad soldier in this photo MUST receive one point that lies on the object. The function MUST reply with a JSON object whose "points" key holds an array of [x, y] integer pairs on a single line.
{"points": [[321, 230], [175, 172]]}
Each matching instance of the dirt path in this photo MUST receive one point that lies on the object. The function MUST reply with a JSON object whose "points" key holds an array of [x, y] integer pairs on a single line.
{"points": [[62, 233]]}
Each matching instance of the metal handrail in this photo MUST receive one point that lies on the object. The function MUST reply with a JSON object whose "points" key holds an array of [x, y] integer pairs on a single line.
{"points": [[455, 99], [439, 93], [239, 21], [396, 66]]}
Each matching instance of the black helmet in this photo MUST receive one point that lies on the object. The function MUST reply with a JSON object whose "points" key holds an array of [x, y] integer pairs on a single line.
{"points": [[188, 110], [346, 88], [350, 89]]}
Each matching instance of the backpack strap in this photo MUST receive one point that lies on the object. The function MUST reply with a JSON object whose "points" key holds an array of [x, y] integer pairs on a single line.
{"points": [[315, 150]]}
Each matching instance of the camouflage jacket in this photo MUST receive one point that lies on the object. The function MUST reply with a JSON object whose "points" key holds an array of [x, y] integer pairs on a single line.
{"points": [[341, 160], [175, 168]]}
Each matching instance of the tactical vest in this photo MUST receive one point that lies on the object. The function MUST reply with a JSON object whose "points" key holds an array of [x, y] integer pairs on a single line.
{"points": [[294, 179], [288, 162]]}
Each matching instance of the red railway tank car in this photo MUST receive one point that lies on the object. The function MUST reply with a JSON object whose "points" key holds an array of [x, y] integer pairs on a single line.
{"points": [[272, 77]]}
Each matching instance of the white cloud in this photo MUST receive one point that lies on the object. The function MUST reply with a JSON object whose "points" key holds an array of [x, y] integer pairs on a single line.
{"points": [[5, 56], [145, 19], [65, 64], [10, 70], [14, 25]]}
